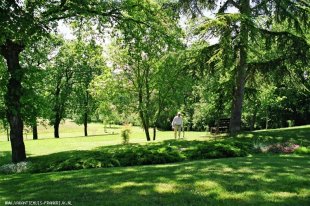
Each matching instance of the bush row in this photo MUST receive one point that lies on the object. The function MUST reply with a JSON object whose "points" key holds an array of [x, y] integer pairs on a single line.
{"points": [[154, 153], [134, 154]]}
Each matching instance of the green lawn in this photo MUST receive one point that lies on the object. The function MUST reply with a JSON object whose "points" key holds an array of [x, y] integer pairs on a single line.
{"points": [[266, 179], [261, 180], [71, 138], [299, 135]]}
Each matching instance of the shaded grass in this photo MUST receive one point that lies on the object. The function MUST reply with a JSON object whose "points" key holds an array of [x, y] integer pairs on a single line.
{"points": [[259, 180]]}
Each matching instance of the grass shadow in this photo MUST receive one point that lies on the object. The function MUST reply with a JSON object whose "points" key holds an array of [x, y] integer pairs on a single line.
{"points": [[276, 180]]}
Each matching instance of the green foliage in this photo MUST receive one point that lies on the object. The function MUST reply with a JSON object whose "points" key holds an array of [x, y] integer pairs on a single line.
{"points": [[88, 64], [275, 58], [137, 82], [35, 60], [220, 150], [134, 154], [302, 150]]}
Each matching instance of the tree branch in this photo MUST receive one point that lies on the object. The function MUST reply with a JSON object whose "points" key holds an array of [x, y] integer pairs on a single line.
{"points": [[286, 34], [226, 4], [260, 65]]}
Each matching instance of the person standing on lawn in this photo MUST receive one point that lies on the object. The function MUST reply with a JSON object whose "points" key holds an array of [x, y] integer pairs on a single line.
{"points": [[177, 124]]}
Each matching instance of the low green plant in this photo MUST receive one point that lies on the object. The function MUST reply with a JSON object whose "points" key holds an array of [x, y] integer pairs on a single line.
{"points": [[125, 133], [290, 123], [280, 147], [302, 150], [136, 154], [217, 150]]}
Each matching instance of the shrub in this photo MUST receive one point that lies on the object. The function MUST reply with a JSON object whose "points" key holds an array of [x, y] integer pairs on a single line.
{"points": [[302, 150], [217, 150], [135, 154], [275, 148], [282, 148], [125, 133], [15, 168], [259, 147]]}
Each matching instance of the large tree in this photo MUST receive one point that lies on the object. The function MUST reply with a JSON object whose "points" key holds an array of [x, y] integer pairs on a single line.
{"points": [[88, 63], [61, 71], [139, 50], [22, 23], [34, 61], [243, 30]]}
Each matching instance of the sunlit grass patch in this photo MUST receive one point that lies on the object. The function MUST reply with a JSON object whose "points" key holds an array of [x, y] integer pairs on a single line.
{"points": [[166, 188]]}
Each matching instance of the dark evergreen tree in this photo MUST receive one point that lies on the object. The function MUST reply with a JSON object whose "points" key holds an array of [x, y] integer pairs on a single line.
{"points": [[280, 24]]}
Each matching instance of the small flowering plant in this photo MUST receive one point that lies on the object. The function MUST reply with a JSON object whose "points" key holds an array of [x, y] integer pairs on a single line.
{"points": [[283, 148], [286, 147], [290, 148], [15, 168]]}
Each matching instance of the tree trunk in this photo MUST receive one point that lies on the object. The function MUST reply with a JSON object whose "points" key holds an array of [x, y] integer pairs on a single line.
{"points": [[85, 124], [147, 133], [145, 126], [240, 76], [56, 130], [35, 131], [86, 113], [10, 51], [154, 133], [56, 126], [143, 118], [57, 110]]}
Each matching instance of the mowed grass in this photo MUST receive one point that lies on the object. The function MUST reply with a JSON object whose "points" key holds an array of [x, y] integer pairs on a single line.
{"points": [[71, 138], [261, 180], [299, 135], [253, 180]]}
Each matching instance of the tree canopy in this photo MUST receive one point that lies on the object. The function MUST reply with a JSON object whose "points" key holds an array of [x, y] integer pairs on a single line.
{"points": [[132, 61]]}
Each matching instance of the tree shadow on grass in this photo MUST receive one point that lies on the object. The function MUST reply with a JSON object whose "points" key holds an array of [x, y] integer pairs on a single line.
{"points": [[276, 180]]}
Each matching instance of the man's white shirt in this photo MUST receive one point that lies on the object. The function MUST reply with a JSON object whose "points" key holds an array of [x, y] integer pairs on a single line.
{"points": [[177, 121]]}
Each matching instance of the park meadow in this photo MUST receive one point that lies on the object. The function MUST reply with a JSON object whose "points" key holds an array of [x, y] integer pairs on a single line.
{"points": [[154, 102], [256, 178]]}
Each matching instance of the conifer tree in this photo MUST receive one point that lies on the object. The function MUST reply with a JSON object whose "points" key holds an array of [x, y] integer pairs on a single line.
{"points": [[280, 25]]}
